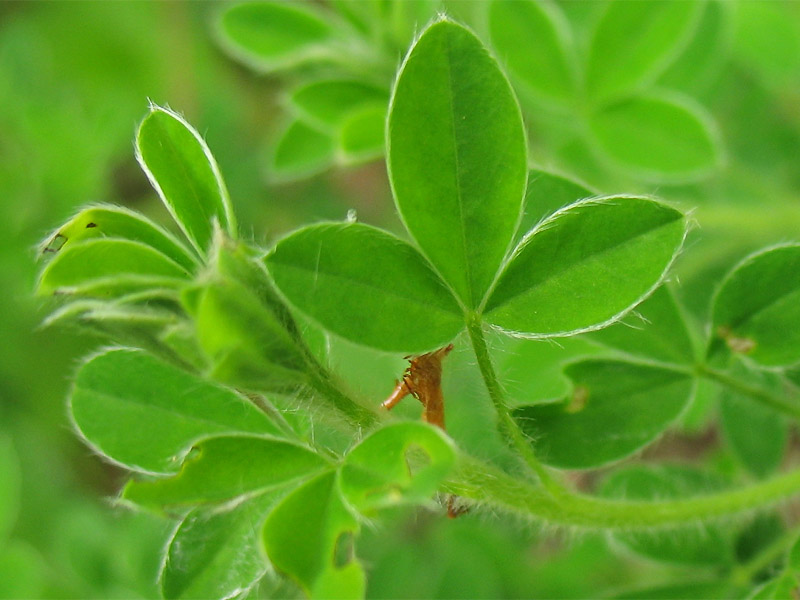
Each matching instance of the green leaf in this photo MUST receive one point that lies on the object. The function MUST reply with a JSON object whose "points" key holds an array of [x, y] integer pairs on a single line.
{"points": [[756, 433], [327, 103], [118, 222], [182, 170], [756, 311], [309, 537], [146, 414], [635, 41], [386, 468], [660, 137], [457, 156], [365, 285], [108, 266], [223, 468], [694, 590], [301, 151], [705, 544], [585, 265], [654, 329], [616, 407], [546, 194], [274, 35], [781, 587], [361, 136], [216, 553], [532, 38], [23, 571], [9, 486]]}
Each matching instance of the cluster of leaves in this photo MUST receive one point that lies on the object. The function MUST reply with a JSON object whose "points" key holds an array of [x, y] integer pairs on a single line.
{"points": [[202, 405], [617, 79]]}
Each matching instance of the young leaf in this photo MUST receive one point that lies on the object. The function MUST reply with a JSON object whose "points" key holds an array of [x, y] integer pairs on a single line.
{"points": [[456, 156], [182, 170], [361, 135], [756, 311], [532, 38], [329, 102], [309, 537], [118, 222], [146, 414], [222, 468], [696, 544], [585, 265], [655, 329], [381, 470], [108, 266], [365, 285], [635, 41], [215, 553], [616, 407], [274, 35], [660, 137], [301, 151]]}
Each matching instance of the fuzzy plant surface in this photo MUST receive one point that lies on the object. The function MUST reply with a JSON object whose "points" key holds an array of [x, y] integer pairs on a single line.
{"points": [[220, 398]]}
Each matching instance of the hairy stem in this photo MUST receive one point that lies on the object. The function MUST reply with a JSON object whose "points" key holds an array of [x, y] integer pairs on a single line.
{"points": [[508, 427], [760, 394]]}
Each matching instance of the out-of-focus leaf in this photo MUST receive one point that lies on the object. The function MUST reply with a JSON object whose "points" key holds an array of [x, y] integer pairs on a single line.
{"points": [[180, 166], [457, 156], [365, 285], [146, 414], [23, 571], [694, 590], [330, 101], [301, 151], [361, 135], [9, 486], [585, 265], [616, 408]]}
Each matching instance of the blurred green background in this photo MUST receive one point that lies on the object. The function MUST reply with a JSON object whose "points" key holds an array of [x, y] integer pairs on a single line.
{"points": [[75, 79]]}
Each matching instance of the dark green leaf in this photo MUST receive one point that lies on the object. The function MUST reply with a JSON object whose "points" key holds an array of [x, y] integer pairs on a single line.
{"points": [[757, 310], [309, 536], [635, 41], [361, 135], [146, 414], [301, 151], [365, 285], [387, 468], [182, 170], [223, 468], [585, 265], [330, 101], [659, 137], [457, 156], [616, 407]]}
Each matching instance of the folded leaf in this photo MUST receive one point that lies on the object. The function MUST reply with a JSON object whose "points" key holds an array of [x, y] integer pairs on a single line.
{"points": [[457, 156]]}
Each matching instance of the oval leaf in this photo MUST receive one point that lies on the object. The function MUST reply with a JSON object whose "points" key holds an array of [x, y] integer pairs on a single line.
{"points": [[365, 285], [457, 156], [385, 469], [585, 265], [182, 170], [756, 311], [635, 41], [146, 414], [658, 137], [329, 102], [300, 152], [361, 135], [616, 407]]}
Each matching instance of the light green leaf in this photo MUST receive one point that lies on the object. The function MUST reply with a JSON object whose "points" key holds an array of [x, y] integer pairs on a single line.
{"points": [[365, 285], [457, 156], [327, 103], [387, 469], [655, 329], [107, 221], [9, 486], [309, 537], [221, 468], [108, 266], [146, 414], [301, 151], [532, 38], [659, 137], [635, 41], [23, 571], [756, 311], [361, 135], [216, 553], [702, 544], [182, 170], [616, 407], [274, 35], [585, 265]]}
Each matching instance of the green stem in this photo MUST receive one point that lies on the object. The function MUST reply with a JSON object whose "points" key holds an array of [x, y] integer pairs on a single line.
{"points": [[508, 427], [325, 383], [757, 393]]}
